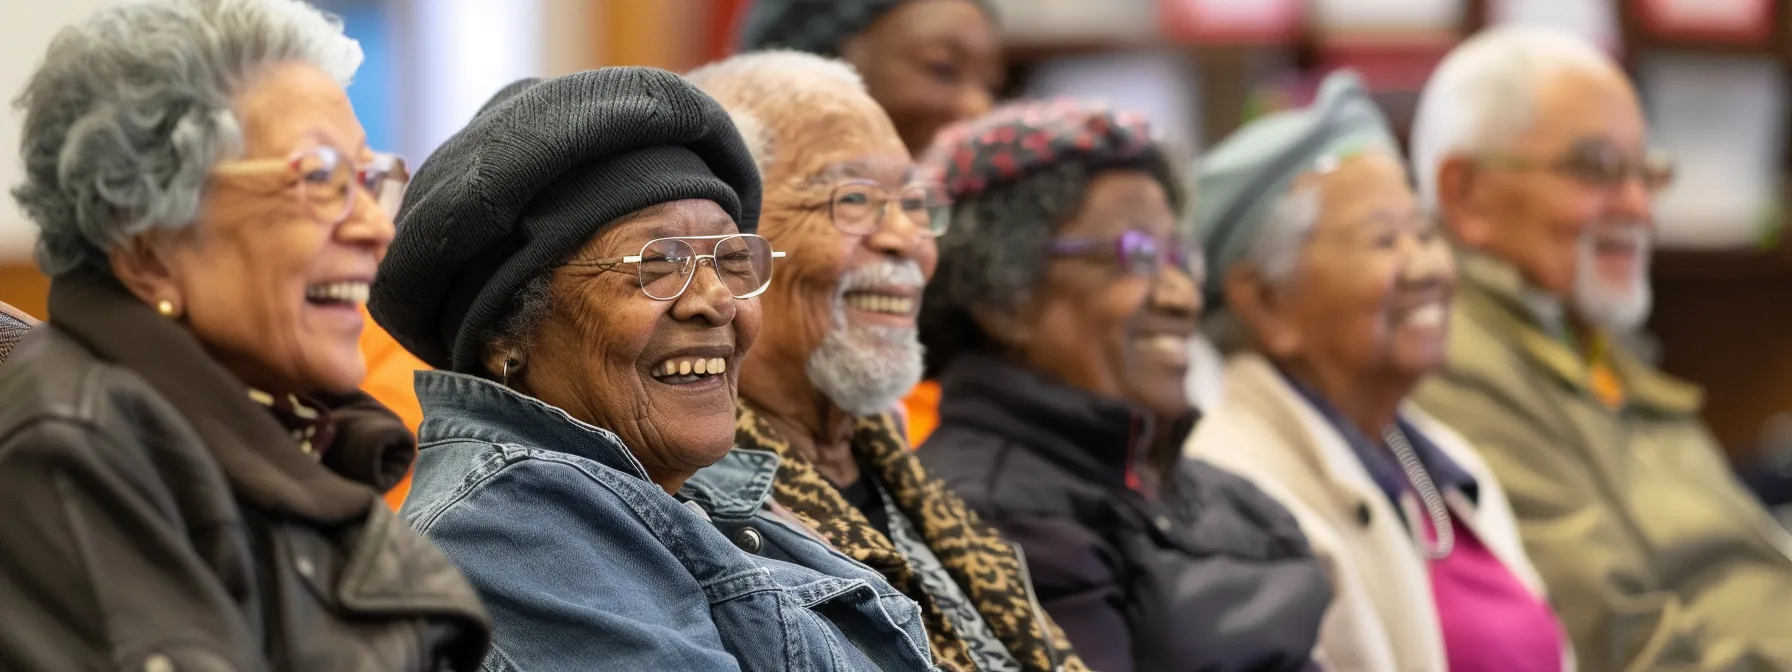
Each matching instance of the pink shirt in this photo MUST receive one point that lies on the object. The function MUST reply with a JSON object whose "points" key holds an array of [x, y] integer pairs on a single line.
{"points": [[1491, 621]]}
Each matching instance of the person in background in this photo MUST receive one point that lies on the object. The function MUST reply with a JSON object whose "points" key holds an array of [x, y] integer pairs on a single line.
{"points": [[1330, 289], [586, 328], [190, 480], [1532, 148], [929, 63], [844, 199], [1066, 293]]}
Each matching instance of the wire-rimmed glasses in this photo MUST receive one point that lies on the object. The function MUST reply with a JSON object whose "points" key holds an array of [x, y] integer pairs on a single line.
{"points": [[858, 207], [742, 261], [1135, 252], [1599, 164], [327, 179]]}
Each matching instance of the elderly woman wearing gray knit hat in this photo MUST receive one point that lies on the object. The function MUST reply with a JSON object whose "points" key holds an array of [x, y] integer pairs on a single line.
{"points": [[1058, 324], [580, 265], [1331, 290], [927, 62]]}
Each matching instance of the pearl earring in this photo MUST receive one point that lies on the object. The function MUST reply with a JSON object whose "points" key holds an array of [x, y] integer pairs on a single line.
{"points": [[166, 308]]}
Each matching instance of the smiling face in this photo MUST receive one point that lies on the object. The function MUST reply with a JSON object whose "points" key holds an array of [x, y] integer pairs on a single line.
{"points": [[1370, 294], [266, 282], [1093, 324], [929, 63], [1578, 239], [606, 351], [848, 302]]}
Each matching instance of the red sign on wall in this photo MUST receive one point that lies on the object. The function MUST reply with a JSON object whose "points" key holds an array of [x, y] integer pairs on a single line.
{"points": [[1746, 22], [1229, 21]]}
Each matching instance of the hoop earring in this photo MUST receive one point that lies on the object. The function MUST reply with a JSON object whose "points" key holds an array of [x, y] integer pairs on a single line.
{"points": [[165, 308], [510, 360]]}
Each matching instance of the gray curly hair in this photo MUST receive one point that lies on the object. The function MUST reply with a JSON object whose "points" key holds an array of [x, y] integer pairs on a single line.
{"points": [[132, 108], [994, 251]]}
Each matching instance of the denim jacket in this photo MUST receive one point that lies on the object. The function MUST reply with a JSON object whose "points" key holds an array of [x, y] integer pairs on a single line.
{"points": [[586, 564]]}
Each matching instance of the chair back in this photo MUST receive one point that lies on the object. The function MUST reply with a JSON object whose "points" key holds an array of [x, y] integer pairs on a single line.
{"points": [[13, 325]]}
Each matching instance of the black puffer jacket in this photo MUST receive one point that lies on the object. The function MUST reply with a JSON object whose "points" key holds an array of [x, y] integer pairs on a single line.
{"points": [[1209, 573], [152, 517]]}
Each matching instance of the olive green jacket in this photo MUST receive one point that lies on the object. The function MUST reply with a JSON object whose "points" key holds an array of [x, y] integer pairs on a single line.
{"points": [[1655, 555]]}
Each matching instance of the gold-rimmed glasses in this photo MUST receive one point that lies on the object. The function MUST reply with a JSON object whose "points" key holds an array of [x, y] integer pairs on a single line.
{"points": [[858, 207], [1597, 163], [665, 266], [327, 179]]}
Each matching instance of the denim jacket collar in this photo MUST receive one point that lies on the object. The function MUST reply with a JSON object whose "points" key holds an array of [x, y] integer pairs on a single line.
{"points": [[736, 486], [462, 407]]}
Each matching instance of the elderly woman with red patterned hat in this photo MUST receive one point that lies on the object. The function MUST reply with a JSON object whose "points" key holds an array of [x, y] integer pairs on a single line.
{"points": [[1057, 325]]}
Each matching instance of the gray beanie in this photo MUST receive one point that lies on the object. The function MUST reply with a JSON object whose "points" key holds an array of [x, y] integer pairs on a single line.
{"points": [[1241, 176], [546, 166]]}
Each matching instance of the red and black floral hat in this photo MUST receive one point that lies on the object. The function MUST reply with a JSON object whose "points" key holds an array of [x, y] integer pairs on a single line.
{"points": [[1016, 140]]}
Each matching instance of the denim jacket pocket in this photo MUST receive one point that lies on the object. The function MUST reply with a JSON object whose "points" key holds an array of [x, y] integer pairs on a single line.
{"points": [[814, 619]]}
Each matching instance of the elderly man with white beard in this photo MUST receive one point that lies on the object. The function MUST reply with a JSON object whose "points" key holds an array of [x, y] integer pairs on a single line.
{"points": [[1532, 148], [840, 349]]}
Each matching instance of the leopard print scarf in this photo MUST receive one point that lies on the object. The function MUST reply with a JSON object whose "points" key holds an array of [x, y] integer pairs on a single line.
{"points": [[982, 564]]}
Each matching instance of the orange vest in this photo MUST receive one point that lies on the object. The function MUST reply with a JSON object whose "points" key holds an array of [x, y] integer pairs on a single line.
{"points": [[389, 380], [923, 405]]}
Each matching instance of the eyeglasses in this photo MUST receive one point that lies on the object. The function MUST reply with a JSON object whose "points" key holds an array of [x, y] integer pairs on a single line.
{"points": [[327, 179], [858, 207], [1135, 252], [1597, 163], [743, 262]]}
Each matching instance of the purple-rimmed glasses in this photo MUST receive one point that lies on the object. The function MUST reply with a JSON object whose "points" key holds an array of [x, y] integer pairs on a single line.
{"points": [[1135, 252], [665, 266], [327, 179]]}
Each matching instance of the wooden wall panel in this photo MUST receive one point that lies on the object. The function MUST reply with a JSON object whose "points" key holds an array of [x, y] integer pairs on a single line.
{"points": [[22, 286], [1725, 322]]}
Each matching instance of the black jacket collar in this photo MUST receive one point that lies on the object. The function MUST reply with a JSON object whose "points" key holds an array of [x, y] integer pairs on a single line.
{"points": [[263, 463], [1108, 439]]}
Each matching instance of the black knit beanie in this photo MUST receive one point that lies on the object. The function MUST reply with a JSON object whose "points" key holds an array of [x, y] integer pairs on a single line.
{"points": [[814, 26], [530, 180]]}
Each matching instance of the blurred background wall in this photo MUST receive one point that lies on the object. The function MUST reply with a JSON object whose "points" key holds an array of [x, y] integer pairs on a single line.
{"points": [[1713, 74]]}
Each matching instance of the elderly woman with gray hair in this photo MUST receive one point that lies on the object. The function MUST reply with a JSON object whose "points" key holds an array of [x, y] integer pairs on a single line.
{"points": [[1059, 325], [1331, 292], [190, 479]]}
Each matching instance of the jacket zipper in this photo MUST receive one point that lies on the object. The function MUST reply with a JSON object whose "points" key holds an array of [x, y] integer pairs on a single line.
{"points": [[1045, 631]]}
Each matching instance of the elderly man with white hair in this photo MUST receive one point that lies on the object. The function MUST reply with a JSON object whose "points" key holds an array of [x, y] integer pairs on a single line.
{"points": [[844, 199], [1532, 148]]}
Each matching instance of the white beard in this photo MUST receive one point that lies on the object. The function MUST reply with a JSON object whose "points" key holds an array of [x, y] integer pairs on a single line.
{"points": [[1618, 310], [865, 369]]}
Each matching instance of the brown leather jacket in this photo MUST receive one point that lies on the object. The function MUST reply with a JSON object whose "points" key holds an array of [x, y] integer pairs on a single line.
{"points": [[156, 518]]}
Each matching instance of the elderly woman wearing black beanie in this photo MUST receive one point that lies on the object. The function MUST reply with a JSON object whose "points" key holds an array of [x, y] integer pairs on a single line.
{"points": [[928, 63], [1058, 324], [580, 266]]}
